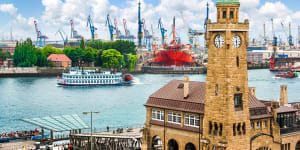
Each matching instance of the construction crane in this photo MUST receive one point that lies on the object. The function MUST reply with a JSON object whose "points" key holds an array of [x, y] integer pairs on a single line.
{"points": [[41, 39], [162, 31], [128, 36], [193, 35], [140, 33], [111, 28], [92, 27], [118, 33], [147, 36], [62, 33], [74, 34], [273, 33]]}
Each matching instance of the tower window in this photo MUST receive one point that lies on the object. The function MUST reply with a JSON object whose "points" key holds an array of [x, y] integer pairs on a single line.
{"points": [[238, 103], [221, 129], [210, 127], [244, 128], [231, 14], [217, 89], [224, 14], [233, 128], [216, 129], [237, 61], [239, 128]]}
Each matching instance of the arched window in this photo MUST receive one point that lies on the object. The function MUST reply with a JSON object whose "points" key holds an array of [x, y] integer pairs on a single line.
{"points": [[190, 146], [156, 143], [172, 145]]}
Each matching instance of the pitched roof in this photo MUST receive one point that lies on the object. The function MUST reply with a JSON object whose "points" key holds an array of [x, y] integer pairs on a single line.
{"points": [[170, 96], [58, 57]]}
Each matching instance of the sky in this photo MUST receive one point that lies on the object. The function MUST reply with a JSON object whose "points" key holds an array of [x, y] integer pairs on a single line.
{"points": [[52, 15]]}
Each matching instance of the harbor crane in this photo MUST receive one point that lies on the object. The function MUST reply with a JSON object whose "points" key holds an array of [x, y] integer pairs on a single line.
{"points": [[147, 36], [111, 28], [92, 27], [288, 35], [140, 23], [162, 31], [62, 33], [74, 33], [118, 33], [128, 36], [41, 39]]}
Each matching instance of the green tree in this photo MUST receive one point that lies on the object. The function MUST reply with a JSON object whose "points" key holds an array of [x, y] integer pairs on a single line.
{"points": [[111, 58], [89, 55], [24, 55], [41, 58], [82, 46], [131, 61], [48, 50], [75, 54]]}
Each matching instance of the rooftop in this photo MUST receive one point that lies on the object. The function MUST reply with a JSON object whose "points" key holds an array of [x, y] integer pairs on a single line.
{"points": [[170, 96], [58, 57], [228, 2]]}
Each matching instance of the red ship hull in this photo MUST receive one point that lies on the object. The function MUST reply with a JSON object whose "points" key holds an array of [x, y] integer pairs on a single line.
{"points": [[177, 58]]}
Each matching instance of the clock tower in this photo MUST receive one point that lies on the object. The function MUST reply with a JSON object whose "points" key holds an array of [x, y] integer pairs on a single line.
{"points": [[227, 118]]}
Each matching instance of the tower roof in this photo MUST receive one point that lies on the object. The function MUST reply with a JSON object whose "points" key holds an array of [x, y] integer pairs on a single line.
{"points": [[228, 2]]}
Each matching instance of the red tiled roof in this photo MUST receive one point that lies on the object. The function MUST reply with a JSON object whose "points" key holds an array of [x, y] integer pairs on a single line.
{"points": [[170, 96], [58, 57]]}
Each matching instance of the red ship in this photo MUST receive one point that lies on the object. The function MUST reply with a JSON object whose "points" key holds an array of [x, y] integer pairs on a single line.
{"points": [[174, 54]]}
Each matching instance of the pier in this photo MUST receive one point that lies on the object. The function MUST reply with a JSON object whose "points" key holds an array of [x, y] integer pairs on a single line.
{"points": [[129, 139]]}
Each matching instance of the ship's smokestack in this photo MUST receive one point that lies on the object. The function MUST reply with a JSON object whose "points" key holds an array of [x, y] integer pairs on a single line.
{"points": [[283, 95], [186, 87]]}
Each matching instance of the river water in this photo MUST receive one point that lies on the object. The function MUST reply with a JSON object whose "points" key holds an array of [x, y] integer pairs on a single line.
{"points": [[120, 106]]}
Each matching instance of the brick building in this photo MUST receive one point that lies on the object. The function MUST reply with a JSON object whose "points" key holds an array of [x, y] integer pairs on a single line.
{"points": [[222, 113], [60, 60], [8, 47]]}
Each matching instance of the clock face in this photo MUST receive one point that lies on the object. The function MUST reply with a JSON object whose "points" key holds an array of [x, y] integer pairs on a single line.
{"points": [[219, 41], [236, 41]]}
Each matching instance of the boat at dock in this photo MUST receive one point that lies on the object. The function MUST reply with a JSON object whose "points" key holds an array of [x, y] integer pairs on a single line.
{"points": [[77, 77], [288, 74]]}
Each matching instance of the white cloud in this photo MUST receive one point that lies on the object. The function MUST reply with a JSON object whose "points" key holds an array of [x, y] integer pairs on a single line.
{"points": [[248, 4], [8, 8], [276, 9]]}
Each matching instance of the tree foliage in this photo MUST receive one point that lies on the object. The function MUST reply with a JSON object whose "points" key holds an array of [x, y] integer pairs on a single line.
{"points": [[75, 54], [4, 55], [123, 46], [24, 55], [48, 50], [111, 58], [41, 58], [131, 61]]}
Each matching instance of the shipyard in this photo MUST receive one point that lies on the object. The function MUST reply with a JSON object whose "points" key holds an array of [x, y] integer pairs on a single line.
{"points": [[149, 75]]}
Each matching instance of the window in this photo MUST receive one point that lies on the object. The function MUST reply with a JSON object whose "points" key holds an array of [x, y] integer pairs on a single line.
{"points": [[234, 131], [210, 128], [244, 128], [217, 89], [265, 123], [215, 129], [237, 61], [174, 117], [221, 129], [238, 103], [258, 124], [224, 15], [231, 14], [190, 120], [239, 129], [158, 115]]}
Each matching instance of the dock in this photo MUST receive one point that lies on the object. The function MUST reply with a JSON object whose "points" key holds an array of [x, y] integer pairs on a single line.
{"points": [[129, 139]]}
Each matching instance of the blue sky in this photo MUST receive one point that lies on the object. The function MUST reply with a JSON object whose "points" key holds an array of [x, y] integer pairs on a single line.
{"points": [[50, 20]]}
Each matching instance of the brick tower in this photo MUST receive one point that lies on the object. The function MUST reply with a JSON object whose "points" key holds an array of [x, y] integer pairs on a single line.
{"points": [[227, 120]]}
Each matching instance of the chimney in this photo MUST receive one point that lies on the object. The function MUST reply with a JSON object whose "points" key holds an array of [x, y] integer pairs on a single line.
{"points": [[283, 95], [186, 87], [252, 91]]}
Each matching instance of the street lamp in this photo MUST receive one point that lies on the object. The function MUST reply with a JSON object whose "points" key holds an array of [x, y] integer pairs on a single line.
{"points": [[91, 112]]}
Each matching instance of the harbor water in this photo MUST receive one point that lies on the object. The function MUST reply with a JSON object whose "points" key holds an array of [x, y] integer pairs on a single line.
{"points": [[120, 106]]}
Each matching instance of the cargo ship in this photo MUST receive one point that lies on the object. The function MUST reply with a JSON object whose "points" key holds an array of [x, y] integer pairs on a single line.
{"points": [[77, 77], [174, 54]]}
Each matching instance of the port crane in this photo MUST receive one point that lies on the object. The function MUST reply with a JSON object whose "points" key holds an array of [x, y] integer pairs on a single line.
{"points": [[74, 33], [147, 36], [162, 31], [41, 39], [128, 36], [62, 33], [118, 33], [92, 27], [140, 23], [110, 26]]}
